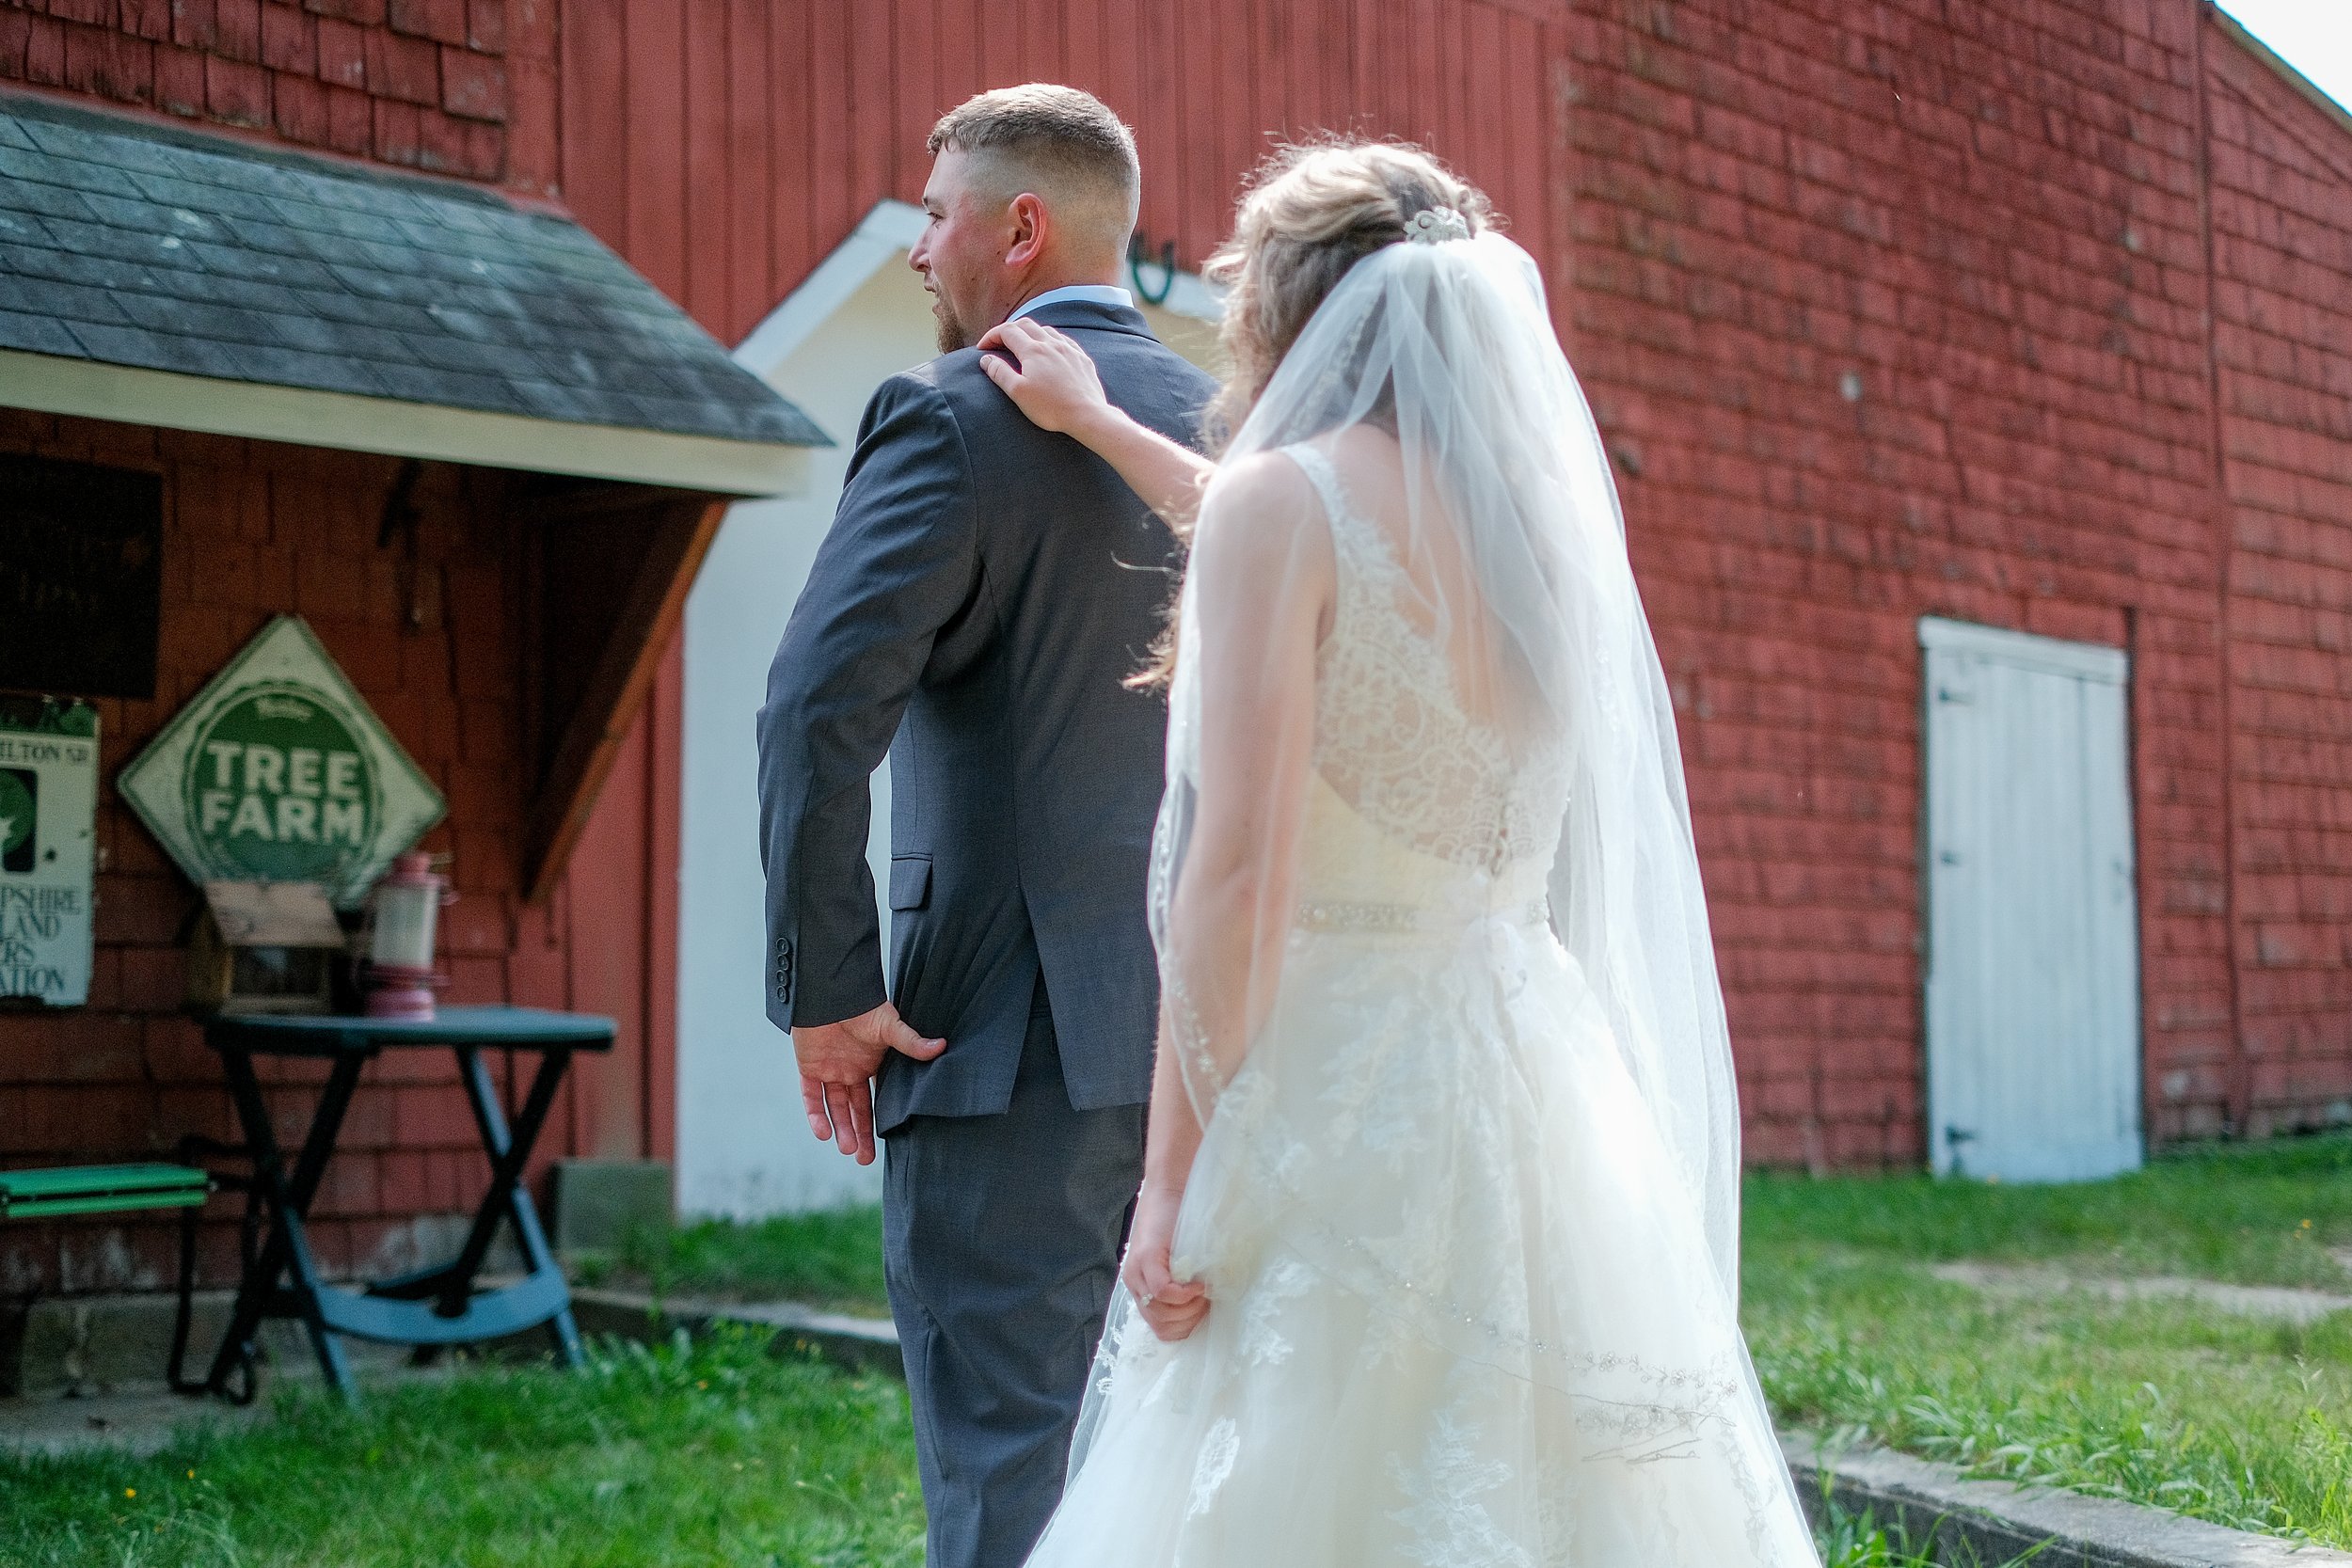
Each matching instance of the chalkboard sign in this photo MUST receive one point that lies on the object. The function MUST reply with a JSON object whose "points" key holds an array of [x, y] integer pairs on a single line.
{"points": [[81, 578]]}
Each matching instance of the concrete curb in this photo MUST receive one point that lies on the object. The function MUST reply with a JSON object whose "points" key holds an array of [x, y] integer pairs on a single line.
{"points": [[86, 1346], [1989, 1523], [858, 1344]]}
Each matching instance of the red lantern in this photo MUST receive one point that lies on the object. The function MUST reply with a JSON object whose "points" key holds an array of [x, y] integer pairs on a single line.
{"points": [[403, 910]]}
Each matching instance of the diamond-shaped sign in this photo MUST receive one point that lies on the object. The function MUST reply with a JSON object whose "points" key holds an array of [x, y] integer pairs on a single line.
{"points": [[276, 771]]}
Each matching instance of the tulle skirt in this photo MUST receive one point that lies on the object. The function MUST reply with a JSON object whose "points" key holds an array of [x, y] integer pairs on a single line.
{"points": [[1462, 1310]]}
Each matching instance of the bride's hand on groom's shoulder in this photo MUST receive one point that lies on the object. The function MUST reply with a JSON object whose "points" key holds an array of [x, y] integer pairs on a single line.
{"points": [[1047, 375], [1172, 1307]]}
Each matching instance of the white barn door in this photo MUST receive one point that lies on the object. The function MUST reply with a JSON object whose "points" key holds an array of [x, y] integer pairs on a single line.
{"points": [[2033, 1051]]}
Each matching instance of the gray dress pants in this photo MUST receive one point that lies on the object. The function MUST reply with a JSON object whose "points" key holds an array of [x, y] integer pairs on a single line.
{"points": [[1001, 1241]]}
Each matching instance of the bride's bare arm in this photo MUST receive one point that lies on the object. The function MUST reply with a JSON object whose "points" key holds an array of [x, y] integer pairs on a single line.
{"points": [[1261, 584], [1262, 588], [1051, 380], [1172, 1307]]}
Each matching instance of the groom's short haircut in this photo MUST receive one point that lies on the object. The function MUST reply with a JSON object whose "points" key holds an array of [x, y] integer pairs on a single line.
{"points": [[1065, 145]]}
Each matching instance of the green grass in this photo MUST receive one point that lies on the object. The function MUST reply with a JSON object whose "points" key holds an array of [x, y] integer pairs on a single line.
{"points": [[2233, 1419], [715, 1454], [2236, 1419], [1859, 1540], [712, 1454], [705, 1454], [830, 1258], [2253, 1214]]}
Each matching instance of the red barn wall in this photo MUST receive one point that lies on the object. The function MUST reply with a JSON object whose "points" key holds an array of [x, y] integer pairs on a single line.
{"points": [[1989, 225], [726, 146], [1896, 311], [2008, 224], [2281, 223]]}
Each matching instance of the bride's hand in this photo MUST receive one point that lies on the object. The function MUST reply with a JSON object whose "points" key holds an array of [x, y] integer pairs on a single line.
{"points": [[1052, 381], [1172, 1308]]}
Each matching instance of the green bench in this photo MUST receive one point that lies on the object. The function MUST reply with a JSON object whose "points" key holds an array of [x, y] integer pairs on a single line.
{"points": [[30, 1194], [26, 1195]]}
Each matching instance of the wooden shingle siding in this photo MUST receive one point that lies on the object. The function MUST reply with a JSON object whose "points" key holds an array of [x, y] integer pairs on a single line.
{"points": [[418, 83], [2281, 201]]}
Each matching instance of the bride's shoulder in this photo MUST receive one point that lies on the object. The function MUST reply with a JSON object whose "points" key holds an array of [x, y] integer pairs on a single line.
{"points": [[1261, 508], [1261, 477]]}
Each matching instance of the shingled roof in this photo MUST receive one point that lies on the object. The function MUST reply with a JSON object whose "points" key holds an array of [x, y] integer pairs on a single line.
{"points": [[128, 244]]}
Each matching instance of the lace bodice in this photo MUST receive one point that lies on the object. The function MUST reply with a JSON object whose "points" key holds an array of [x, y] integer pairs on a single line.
{"points": [[1393, 740]]}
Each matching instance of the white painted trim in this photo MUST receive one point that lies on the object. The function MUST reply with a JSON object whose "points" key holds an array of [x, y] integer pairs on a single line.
{"points": [[2091, 660], [885, 233], [339, 420]]}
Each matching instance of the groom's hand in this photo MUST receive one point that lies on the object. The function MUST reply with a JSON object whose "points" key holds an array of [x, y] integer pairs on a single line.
{"points": [[837, 1066]]}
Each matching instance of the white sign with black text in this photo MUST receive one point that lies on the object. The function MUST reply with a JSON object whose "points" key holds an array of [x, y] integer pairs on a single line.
{"points": [[48, 852]]}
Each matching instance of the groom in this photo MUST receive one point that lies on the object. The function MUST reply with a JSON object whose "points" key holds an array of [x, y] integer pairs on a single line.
{"points": [[984, 590]]}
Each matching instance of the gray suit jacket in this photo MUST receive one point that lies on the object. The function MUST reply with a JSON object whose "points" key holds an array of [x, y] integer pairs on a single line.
{"points": [[983, 592]]}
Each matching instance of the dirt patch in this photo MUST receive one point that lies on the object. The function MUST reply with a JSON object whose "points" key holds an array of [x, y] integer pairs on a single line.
{"points": [[2042, 1282]]}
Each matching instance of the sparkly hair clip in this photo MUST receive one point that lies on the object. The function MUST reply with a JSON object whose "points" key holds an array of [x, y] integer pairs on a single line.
{"points": [[1436, 224]]}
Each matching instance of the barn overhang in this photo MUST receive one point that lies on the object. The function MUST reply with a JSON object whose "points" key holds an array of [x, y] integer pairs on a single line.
{"points": [[155, 276], [161, 277]]}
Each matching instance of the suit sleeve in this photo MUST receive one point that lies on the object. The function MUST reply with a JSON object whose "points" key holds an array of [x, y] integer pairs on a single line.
{"points": [[901, 558]]}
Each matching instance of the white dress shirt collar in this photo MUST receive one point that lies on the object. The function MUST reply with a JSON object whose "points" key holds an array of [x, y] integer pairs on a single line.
{"points": [[1093, 294]]}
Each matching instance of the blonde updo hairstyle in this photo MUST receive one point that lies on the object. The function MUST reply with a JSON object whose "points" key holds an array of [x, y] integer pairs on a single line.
{"points": [[1309, 212]]}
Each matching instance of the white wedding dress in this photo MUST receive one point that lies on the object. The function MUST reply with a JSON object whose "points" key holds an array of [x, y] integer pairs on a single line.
{"points": [[1466, 1201], [1463, 1311]]}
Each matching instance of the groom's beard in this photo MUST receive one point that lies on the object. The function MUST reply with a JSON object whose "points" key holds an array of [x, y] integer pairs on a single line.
{"points": [[952, 334]]}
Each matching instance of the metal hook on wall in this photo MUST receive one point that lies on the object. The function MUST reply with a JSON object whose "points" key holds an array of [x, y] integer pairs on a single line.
{"points": [[1137, 254]]}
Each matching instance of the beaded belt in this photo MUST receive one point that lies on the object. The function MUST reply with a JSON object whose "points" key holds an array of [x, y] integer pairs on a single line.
{"points": [[1342, 914]]}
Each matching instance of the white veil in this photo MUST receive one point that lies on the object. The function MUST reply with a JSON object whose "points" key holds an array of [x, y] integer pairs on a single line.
{"points": [[1511, 542], [1466, 1204]]}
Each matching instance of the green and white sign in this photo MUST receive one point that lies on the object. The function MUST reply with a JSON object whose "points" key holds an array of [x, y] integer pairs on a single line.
{"points": [[48, 851], [279, 773]]}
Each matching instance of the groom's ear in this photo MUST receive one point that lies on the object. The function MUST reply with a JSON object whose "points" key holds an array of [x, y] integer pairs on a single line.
{"points": [[1031, 228]]}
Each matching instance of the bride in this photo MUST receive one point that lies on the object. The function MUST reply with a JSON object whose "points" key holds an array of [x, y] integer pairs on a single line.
{"points": [[1435, 1257]]}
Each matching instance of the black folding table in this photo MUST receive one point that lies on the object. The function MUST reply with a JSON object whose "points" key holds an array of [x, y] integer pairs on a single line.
{"points": [[438, 1306]]}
